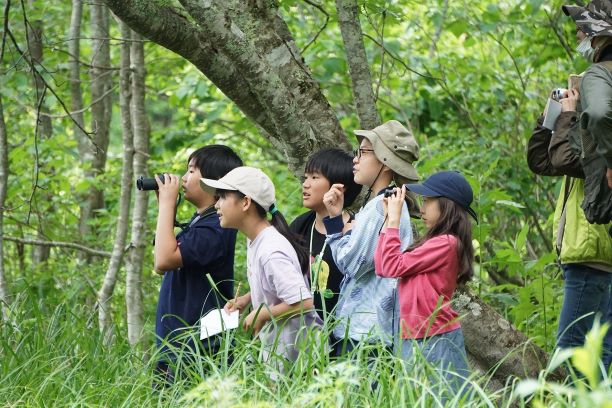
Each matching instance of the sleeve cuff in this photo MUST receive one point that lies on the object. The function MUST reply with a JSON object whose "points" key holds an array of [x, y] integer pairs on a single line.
{"points": [[333, 225], [393, 232], [304, 294]]}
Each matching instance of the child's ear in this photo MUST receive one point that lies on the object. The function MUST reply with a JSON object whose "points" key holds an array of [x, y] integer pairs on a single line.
{"points": [[246, 203]]}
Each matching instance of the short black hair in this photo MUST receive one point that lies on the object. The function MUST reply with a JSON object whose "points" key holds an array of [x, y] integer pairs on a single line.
{"points": [[215, 161], [335, 165]]}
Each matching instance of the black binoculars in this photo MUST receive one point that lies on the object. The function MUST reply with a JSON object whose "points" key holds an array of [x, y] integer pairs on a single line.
{"points": [[148, 184], [390, 191]]}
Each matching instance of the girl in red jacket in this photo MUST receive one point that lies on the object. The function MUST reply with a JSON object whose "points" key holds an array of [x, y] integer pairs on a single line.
{"points": [[430, 270]]}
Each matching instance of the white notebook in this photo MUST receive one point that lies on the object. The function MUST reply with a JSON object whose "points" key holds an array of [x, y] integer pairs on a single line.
{"points": [[553, 110], [217, 321]]}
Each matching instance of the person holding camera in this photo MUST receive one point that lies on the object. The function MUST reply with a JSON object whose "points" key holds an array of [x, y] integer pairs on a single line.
{"points": [[367, 306], [201, 248], [584, 250], [594, 34]]}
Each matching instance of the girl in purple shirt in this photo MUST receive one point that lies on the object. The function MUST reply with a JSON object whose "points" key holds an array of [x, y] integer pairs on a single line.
{"points": [[280, 296]]}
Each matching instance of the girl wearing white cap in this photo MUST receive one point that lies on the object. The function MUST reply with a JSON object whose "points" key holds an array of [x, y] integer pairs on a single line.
{"points": [[280, 296]]}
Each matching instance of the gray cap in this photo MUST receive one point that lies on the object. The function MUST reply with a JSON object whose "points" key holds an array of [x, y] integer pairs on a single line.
{"points": [[250, 181], [394, 146]]}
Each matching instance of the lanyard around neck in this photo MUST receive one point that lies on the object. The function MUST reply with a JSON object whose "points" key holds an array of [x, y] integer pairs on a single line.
{"points": [[314, 275]]}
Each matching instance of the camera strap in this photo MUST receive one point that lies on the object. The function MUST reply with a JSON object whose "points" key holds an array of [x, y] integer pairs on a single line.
{"points": [[207, 212]]}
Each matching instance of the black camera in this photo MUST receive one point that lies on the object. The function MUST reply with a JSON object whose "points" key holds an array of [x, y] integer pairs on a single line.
{"points": [[390, 191], [148, 184]]}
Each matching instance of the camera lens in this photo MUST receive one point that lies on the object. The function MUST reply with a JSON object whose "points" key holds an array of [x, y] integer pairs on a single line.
{"points": [[148, 184]]}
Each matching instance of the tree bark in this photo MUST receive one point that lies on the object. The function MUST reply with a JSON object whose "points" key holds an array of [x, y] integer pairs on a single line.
{"points": [[127, 184], [44, 129], [4, 292], [76, 93], [133, 290], [493, 342], [359, 68], [251, 60], [101, 110]]}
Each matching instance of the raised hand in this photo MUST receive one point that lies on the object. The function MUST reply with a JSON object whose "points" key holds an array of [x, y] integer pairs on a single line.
{"points": [[169, 189], [568, 104], [394, 204], [334, 200]]}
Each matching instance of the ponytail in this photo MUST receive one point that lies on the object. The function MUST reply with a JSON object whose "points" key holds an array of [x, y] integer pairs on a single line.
{"points": [[279, 222]]}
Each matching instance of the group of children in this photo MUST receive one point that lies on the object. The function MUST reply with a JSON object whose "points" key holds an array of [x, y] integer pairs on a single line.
{"points": [[366, 272]]}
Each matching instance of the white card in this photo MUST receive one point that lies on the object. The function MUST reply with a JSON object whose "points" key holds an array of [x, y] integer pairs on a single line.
{"points": [[553, 110], [217, 321]]}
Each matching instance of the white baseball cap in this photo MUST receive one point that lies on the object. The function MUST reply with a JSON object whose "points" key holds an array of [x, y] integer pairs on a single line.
{"points": [[250, 181]]}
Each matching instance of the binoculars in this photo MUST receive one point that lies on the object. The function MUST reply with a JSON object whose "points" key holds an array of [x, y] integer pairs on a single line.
{"points": [[148, 184], [390, 191]]}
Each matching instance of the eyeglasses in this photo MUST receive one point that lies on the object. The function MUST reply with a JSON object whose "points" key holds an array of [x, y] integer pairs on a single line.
{"points": [[360, 151]]}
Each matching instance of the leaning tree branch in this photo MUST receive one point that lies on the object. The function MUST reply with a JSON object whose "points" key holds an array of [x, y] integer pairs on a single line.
{"points": [[59, 244]]}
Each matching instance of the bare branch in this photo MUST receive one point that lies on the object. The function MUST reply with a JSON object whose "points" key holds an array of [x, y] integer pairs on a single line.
{"points": [[61, 102], [398, 59], [59, 244], [322, 10]]}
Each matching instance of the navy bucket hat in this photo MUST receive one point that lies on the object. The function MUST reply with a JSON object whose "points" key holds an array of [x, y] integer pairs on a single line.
{"points": [[448, 184]]}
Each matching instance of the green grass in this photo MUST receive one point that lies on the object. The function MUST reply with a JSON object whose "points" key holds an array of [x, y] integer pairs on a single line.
{"points": [[58, 358]]}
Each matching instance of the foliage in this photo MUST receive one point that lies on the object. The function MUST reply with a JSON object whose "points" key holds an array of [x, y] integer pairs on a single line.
{"points": [[57, 357], [470, 77]]}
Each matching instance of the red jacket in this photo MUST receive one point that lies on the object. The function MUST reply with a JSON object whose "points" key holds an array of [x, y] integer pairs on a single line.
{"points": [[428, 278]]}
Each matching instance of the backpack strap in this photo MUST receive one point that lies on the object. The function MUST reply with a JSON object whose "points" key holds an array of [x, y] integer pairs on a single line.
{"points": [[569, 183]]}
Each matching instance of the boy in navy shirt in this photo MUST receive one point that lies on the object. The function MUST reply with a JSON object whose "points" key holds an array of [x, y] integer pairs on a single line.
{"points": [[201, 248]]}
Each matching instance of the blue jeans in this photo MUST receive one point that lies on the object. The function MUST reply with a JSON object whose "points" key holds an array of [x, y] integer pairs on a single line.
{"points": [[587, 292], [446, 352]]}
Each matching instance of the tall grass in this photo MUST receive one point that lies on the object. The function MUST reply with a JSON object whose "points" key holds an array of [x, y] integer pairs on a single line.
{"points": [[59, 358]]}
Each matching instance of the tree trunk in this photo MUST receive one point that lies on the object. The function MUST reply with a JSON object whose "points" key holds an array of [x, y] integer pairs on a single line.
{"points": [[76, 93], [254, 62], [359, 69], [4, 292], [133, 290], [127, 184], [493, 342], [246, 50], [101, 110], [44, 129]]}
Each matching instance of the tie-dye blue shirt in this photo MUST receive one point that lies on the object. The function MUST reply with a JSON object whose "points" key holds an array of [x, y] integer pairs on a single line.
{"points": [[367, 302]]}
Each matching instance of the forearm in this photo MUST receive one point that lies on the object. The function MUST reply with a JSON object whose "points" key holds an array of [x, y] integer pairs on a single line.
{"points": [[537, 151], [388, 256], [284, 310], [166, 245]]}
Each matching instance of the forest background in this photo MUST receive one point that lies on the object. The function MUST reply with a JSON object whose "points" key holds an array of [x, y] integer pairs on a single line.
{"points": [[87, 105]]}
